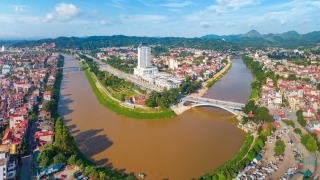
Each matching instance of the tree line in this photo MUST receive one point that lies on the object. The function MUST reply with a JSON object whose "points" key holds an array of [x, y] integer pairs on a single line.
{"points": [[250, 148], [95, 42]]}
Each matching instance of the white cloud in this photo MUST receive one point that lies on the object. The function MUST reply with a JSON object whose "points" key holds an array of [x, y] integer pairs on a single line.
{"points": [[63, 12], [178, 4], [283, 22], [305, 21], [205, 24], [175, 10], [252, 25], [118, 4], [94, 11], [110, 22], [217, 9], [207, 13], [143, 18], [236, 4], [20, 8], [230, 24]]}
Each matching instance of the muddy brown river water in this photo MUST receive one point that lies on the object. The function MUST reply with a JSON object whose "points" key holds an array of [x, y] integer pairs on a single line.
{"points": [[178, 148]]}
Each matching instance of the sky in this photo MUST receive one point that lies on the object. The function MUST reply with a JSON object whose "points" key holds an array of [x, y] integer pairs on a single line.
{"points": [[164, 18]]}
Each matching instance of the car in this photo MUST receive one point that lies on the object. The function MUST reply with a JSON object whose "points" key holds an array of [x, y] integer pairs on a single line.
{"points": [[76, 174], [270, 142]]}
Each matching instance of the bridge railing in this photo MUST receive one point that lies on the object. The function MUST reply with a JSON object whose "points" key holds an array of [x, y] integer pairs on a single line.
{"points": [[215, 102]]}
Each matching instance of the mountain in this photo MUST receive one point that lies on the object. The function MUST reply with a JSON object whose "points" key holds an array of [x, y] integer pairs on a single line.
{"points": [[290, 39], [252, 33], [94, 42]]}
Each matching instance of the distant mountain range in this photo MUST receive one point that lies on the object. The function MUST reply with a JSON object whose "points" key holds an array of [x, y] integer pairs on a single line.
{"points": [[290, 39], [253, 38], [94, 42]]}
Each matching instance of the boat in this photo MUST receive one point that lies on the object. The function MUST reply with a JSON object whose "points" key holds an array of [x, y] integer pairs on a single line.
{"points": [[141, 175]]}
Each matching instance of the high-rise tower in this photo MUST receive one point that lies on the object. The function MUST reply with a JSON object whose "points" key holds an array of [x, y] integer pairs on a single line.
{"points": [[144, 53]]}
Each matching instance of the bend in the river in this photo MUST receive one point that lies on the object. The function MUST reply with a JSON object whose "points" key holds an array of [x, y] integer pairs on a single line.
{"points": [[182, 147]]}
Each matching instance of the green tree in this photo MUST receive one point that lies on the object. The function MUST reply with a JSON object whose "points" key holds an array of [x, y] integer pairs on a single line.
{"points": [[49, 105], [32, 117], [262, 114], [318, 86], [280, 143], [250, 106], [278, 150], [201, 74], [59, 158], [297, 131], [162, 103], [123, 97], [260, 143], [304, 138], [292, 77], [72, 159], [63, 140], [150, 103], [311, 145], [45, 158]]}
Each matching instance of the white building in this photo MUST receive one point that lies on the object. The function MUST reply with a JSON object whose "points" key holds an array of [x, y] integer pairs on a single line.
{"points": [[144, 55], [3, 49], [144, 62], [7, 169], [6, 69], [151, 74], [173, 64]]}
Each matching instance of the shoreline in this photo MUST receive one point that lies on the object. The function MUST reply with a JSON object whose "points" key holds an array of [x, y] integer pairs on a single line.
{"points": [[204, 89], [180, 108]]}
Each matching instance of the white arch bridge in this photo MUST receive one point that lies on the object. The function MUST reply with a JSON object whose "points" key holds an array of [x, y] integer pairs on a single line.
{"points": [[230, 106]]}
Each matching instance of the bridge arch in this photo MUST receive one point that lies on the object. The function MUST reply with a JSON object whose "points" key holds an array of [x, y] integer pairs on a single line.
{"points": [[231, 110]]}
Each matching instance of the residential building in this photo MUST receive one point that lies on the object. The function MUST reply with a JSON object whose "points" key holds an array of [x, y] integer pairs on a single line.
{"points": [[6, 69]]}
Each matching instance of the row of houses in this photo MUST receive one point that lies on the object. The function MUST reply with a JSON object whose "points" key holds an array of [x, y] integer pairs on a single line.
{"points": [[297, 94], [20, 92]]}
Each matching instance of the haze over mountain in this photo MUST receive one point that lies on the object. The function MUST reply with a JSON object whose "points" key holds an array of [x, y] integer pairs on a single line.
{"points": [[254, 38]]}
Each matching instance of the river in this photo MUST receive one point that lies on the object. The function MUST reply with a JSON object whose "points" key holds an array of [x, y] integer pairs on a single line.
{"points": [[182, 147], [234, 86]]}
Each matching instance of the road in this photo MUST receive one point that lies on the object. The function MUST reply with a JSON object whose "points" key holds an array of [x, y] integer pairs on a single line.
{"points": [[129, 77], [26, 168], [292, 116]]}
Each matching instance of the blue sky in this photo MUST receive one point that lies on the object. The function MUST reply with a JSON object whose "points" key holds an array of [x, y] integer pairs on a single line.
{"points": [[177, 18]]}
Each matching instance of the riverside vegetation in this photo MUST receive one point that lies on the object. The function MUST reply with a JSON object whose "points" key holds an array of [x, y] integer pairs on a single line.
{"points": [[212, 82], [158, 102], [64, 148], [250, 148], [113, 105]]}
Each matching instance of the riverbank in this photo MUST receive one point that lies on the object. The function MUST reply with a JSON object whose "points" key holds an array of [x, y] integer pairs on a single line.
{"points": [[210, 82], [110, 139], [113, 105], [77, 157]]}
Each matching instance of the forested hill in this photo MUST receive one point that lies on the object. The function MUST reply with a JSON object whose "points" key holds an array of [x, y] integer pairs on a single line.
{"points": [[94, 42], [290, 39]]}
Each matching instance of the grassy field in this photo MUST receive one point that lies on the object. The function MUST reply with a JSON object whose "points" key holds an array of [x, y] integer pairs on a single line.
{"points": [[118, 94], [136, 113]]}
